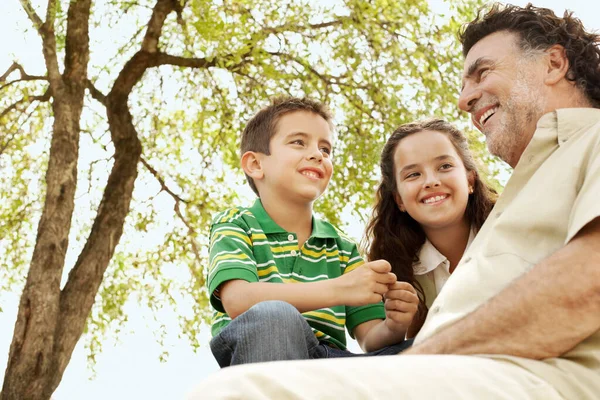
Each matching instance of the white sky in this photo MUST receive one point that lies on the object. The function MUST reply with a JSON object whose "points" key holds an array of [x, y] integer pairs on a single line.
{"points": [[129, 367]]}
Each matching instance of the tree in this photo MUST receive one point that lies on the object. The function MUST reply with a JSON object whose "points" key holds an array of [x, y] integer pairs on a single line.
{"points": [[168, 106]]}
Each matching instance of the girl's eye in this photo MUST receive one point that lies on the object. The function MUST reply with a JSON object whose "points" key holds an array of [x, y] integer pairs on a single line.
{"points": [[446, 166], [298, 141], [411, 175]]}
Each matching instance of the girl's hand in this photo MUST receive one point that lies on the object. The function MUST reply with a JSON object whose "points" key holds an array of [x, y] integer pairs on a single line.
{"points": [[401, 304]]}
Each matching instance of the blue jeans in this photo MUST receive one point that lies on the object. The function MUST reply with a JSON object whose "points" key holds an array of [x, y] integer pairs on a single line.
{"points": [[275, 330]]}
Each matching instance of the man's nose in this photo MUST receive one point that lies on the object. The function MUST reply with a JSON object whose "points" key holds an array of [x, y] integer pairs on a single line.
{"points": [[468, 97]]}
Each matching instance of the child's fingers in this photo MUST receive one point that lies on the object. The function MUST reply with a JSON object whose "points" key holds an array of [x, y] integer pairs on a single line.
{"points": [[399, 285], [380, 288], [379, 266], [387, 279], [403, 295], [401, 306]]}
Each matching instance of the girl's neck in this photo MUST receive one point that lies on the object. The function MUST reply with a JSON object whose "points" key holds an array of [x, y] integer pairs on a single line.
{"points": [[451, 241], [293, 217]]}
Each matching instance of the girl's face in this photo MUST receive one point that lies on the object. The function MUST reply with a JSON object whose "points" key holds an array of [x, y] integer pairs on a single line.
{"points": [[433, 184]]}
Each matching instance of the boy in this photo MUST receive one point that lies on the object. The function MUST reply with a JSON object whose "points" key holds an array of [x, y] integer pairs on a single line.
{"points": [[284, 283]]}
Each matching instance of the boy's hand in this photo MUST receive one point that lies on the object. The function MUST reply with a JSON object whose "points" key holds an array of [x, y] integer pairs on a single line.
{"points": [[401, 304], [366, 284]]}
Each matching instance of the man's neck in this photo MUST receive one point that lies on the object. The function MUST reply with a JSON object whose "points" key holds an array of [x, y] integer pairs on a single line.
{"points": [[293, 217], [451, 242]]}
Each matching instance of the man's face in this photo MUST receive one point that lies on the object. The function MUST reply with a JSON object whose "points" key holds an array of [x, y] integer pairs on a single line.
{"points": [[504, 91]]}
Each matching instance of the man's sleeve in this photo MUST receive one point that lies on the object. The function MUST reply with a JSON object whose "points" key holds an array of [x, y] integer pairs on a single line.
{"points": [[357, 315], [230, 257], [587, 203]]}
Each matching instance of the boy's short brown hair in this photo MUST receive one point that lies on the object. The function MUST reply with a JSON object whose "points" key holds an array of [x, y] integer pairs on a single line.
{"points": [[261, 128]]}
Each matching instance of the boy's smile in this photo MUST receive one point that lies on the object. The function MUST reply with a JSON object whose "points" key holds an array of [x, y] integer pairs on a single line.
{"points": [[299, 167]]}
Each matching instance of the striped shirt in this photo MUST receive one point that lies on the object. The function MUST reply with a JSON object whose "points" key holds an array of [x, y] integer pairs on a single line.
{"points": [[246, 244]]}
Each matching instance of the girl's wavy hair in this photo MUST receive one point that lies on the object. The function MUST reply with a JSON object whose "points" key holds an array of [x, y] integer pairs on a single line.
{"points": [[539, 29], [395, 236]]}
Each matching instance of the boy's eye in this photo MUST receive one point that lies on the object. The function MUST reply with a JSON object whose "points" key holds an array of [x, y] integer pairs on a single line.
{"points": [[298, 141], [326, 150]]}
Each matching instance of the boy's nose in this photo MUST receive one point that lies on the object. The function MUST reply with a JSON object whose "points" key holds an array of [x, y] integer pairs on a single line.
{"points": [[315, 155]]}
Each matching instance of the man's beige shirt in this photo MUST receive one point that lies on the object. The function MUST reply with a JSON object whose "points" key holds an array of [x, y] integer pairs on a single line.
{"points": [[553, 192]]}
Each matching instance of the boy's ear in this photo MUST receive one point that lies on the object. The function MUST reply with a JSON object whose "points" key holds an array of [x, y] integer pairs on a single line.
{"points": [[558, 64], [252, 166], [398, 201]]}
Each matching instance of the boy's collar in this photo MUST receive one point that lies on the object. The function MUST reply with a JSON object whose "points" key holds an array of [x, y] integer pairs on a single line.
{"points": [[321, 229]]}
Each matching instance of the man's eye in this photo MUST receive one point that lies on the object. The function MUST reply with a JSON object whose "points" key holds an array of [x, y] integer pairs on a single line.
{"points": [[483, 72]]}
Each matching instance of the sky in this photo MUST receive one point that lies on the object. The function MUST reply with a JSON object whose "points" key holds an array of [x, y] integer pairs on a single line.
{"points": [[129, 366]]}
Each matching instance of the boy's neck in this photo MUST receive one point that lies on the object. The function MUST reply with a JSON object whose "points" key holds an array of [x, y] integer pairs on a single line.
{"points": [[451, 242], [293, 217]]}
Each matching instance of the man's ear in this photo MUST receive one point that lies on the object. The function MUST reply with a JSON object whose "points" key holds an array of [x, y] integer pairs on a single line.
{"points": [[398, 201], [558, 64], [252, 166]]}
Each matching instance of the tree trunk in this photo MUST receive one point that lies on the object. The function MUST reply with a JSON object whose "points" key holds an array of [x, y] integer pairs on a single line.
{"points": [[50, 321]]}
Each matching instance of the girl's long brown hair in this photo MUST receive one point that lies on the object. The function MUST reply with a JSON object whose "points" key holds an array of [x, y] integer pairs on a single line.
{"points": [[395, 236]]}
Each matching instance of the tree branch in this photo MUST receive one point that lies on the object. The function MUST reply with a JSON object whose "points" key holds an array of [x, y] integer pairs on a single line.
{"points": [[161, 181], [51, 12], [166, 59], [24, 76], [177, 209], [37, 21], [160, 12], [302, 28], [28, 100], [95, 93], [77, 49]]}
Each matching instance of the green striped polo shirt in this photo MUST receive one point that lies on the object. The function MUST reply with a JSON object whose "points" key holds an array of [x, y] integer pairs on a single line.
{"points": [[245, 243]]}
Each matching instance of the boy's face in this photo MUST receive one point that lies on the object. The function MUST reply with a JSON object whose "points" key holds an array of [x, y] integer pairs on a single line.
{"points": [[299, 167]]}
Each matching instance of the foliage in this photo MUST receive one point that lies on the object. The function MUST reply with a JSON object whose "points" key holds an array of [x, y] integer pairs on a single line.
{"points": [[378, 63]]}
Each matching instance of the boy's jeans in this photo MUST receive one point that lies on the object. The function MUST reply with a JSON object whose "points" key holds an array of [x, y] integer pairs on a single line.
{"points": [[275, 330]]}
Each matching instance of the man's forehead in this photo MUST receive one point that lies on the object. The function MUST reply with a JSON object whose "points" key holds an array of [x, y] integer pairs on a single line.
{"points": [[492, 47]]}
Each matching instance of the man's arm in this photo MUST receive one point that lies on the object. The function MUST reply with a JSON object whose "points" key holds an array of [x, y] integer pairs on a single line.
{"points": [[544, 313], [364, 285]]}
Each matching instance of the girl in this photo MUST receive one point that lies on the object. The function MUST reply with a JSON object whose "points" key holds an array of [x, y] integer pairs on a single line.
{"points": [[429, 205]]}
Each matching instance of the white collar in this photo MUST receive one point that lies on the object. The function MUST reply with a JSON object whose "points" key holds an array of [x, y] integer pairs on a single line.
{"points": [[429, 258]]}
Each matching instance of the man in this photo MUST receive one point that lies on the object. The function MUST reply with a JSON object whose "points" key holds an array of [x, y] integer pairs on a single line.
{"points": [[520, 316]]}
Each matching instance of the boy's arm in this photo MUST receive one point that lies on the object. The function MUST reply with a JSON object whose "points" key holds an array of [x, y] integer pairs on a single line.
{"points": [[364, 285], [401, 304]]}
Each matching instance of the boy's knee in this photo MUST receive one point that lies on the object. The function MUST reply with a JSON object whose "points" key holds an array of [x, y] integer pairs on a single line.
{"points": [[273, 310]]}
